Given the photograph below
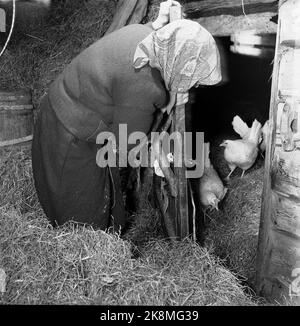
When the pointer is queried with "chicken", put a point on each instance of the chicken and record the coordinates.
(211, 188)
(265, 136)
(243, 130)
(242, 153)
(240, 127)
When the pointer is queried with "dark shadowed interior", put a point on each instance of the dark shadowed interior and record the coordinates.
(246, 93)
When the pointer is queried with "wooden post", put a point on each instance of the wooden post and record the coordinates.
(178, 125)
(278, 257)
(181, 203)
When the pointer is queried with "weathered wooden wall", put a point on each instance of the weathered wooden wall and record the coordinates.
(278, 264)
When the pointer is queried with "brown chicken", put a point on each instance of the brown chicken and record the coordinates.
(211, 188)
(242, 153)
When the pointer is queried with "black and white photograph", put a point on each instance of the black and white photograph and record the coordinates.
(149, 156)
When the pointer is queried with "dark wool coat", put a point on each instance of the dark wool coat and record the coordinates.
(98, 90)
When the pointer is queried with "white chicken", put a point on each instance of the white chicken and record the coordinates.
(265, 136)
(242, 153)
(211, 188)
(243, 130)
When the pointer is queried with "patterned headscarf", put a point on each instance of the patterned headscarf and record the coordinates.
(184, 52)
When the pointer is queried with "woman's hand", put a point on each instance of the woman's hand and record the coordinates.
(164, 14)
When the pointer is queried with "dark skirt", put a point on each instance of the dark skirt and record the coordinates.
(69, 184)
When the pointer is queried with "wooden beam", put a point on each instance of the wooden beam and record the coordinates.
(128, 12)
(226, 25)
(224, 17)
(206, 8)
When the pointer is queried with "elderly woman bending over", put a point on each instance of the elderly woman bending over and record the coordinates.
(123, 78)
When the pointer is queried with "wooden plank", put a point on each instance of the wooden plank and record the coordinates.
(278, 255)
(223, 18)
(206, 8)
(226, 25)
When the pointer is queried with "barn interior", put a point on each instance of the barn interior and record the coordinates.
(33, 59)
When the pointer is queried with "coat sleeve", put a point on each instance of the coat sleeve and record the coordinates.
(131, 122)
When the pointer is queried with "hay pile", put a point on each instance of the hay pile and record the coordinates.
(233, 231)
(77, 265)
(34, 60)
